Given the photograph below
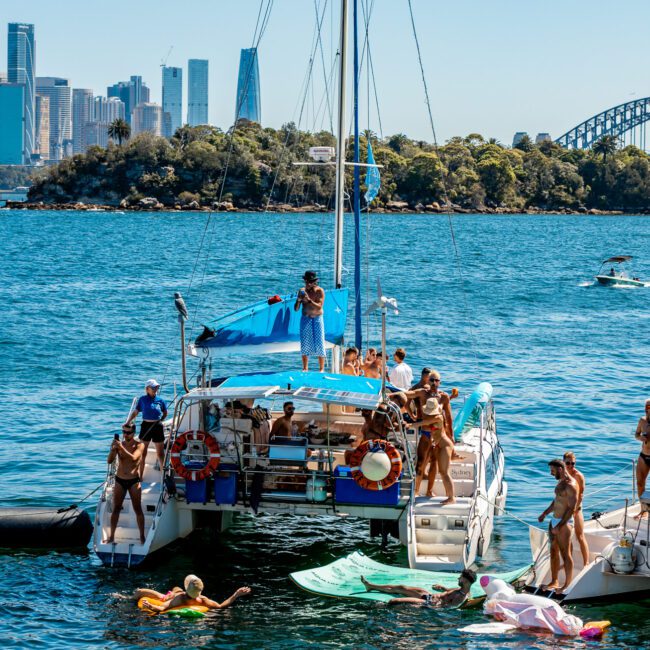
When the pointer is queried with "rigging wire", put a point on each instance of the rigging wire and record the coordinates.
(459, 267)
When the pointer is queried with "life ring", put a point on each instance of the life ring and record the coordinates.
(372, 447)
(214, 455)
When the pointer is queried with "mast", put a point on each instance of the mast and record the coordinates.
(340, 151)
(340, 169)
(357, 191)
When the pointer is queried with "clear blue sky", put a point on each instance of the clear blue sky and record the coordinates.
(492, 67)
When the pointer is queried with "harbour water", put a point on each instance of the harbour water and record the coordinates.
(88, 316)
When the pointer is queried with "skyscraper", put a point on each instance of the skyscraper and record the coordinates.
(12, 124)
(132, 93)
(197, 92)
(42, 128)
(172, 97)
(59, 93)
(21, 70)
(82, 113)
(147, 117)
(108, 109)
(248, 87)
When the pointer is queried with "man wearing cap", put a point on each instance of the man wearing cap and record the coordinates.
(312, 328)
(154, 412)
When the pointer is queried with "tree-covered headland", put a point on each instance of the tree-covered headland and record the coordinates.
(466, 173)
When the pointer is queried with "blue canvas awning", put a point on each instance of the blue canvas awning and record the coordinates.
(263, 327)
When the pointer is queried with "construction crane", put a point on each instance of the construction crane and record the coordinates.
(163, 62)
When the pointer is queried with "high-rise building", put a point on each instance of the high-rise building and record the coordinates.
(12, 124)
(147, 117)
(21, 70)
(172, 97)
(42, 128)
(248, 87)
(518, 137)
(59, 93)
(82, 113)
(542, 137)
(3, 77)
(108, 109)
(197, 92)
(132, 93)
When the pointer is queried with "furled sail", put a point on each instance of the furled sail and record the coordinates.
(272, 326)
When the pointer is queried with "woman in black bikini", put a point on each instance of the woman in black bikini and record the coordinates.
(643, 465)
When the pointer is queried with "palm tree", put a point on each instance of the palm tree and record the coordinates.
(607, 145)
(119, 130)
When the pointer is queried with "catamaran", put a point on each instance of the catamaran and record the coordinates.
(220, 461)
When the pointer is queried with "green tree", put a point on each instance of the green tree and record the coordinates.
(525, 144)
(606, 146)
(119, 130)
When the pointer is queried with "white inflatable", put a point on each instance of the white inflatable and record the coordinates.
(526, 610)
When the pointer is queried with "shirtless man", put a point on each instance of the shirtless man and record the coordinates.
(282, 426)
(127, 478)
(312, 329)
(350, 366)
(559, 529)
(418, 596)
(642, 434)
(186, 598)
(435, 448)
(370, 367)
(570, 462)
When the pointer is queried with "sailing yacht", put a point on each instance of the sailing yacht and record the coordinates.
(221, 463)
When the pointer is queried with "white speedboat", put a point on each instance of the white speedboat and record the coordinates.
(618, 277)
(619, 564)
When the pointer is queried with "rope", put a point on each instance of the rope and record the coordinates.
(446, 194)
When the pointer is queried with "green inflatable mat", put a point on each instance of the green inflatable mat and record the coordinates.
(340, 579)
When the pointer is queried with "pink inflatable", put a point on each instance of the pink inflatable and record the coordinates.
(526, 610)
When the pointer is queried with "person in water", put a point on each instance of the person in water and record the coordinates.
(188, 597)
(578, 518)
(559, 529)
(154, 413)
(312, 328)
(127, 478)
(642, 434)
(418, 596)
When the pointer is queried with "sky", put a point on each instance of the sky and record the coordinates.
(493, 67)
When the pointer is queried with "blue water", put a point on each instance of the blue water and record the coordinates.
(87, 316)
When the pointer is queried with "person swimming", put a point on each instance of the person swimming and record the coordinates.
(190, 596)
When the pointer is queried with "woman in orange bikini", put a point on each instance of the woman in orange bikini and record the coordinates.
(440, 452)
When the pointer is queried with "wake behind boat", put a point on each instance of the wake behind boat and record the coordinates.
(618, 277)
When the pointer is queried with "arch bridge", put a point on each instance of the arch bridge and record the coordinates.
(628, 119)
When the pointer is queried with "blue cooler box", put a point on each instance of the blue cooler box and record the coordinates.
(225, 485)
(347, 491)
(196, 491)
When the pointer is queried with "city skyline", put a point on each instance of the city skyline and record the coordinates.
(484, 64)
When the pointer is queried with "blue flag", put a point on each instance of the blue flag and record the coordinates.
(373, 179)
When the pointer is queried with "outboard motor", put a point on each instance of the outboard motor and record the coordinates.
(621, 558)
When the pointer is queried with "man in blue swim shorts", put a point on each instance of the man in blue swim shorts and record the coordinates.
(559, 531)
(312, 328)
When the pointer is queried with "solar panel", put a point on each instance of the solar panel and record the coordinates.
(332, 396)
(227, 392)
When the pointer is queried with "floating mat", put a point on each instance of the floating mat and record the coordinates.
(488, 628)
(340, 579)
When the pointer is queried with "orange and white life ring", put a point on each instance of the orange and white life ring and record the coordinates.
(214, 456)
(375, 464)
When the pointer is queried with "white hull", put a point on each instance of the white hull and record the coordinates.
(597, 580)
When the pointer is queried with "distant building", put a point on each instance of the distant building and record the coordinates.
(542, 137)
(108, 109)
(197, 92)
(42, 128)
(3, 77)
(59, 93)
(12, 124)
(248, 87)
(82, 113)
(147, 117)
(172, 97)
(132, 93)
(21, 70)
(519, 136)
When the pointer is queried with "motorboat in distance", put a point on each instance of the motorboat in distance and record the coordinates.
(618, 277)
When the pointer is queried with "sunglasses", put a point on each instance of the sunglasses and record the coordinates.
(568, 462)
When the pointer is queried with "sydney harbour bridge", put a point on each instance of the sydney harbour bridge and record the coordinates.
(626, 122)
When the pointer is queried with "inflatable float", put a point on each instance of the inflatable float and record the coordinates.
(534, 612)
(45, 527)
(193, 611)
